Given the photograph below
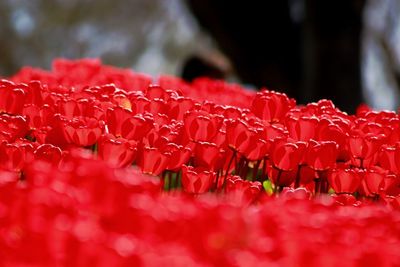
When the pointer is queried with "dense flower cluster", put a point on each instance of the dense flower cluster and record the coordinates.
(71, 194)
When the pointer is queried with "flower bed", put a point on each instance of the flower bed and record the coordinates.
(102, 166)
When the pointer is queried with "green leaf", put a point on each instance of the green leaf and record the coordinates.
(268, 187)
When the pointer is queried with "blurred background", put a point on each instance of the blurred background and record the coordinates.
(344, 50)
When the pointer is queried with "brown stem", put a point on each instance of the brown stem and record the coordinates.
(255, 170)
(229, 166)
(297, 182)
(277, 180)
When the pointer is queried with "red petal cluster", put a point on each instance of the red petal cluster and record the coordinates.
(71, 194)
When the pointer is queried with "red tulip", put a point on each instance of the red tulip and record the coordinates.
(273, 131)
(14, 156)
(140, 104)
(156, 138)
(12, 99)
(306, 175)
(321, 155)
(54, 134)
(136, 127)
(178, 106)
(115, 117)
(328, 130)
(12, 127)
(345, 180)
(373, 181)
(152, 161)
(157, 106)
(286, 156)
(389, 158)
(231, 112)
(206, 155)
(271, 106)
(83, 131)
(281, 178)
(122, 101)
(160, 119)
(298, 193)
(241, 191)
(69, 108)
(196, 181)
(49, 153)
(156, 92)
(179, 155)
(303, 128)
(239, 135)
(257, 149)
(34, 92)
(391, 185)
(200, 127)
(33, 115)
(363, 149)
(118, 152)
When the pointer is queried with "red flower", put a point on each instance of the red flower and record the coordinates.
(239, 135)
(55, 132)
(34, 92)
(157, 106)
(390, 158)
(178, 106)
(303, 128)
(306, 175)
(49, 153)
(156, 92)
(12, 98)
(140, 104)
(257, 149)
(373, 181)
(196, 181)
(321, 155)
(281, 178)
(122, 101)
(206, 155)
(12, 127)
(136, 127)
(15, 156)
(201, 127)
(83, 131)
(271, 106)
(345, 180)
(157, 138)
(33, 115)
(298, 193)
(286, 156)
(363, 149)
(115, 117)
(391, 185)
(152, 161)
(241, 191)
(332, 131)
(69, 108)
(118, 152)
(179, 156)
